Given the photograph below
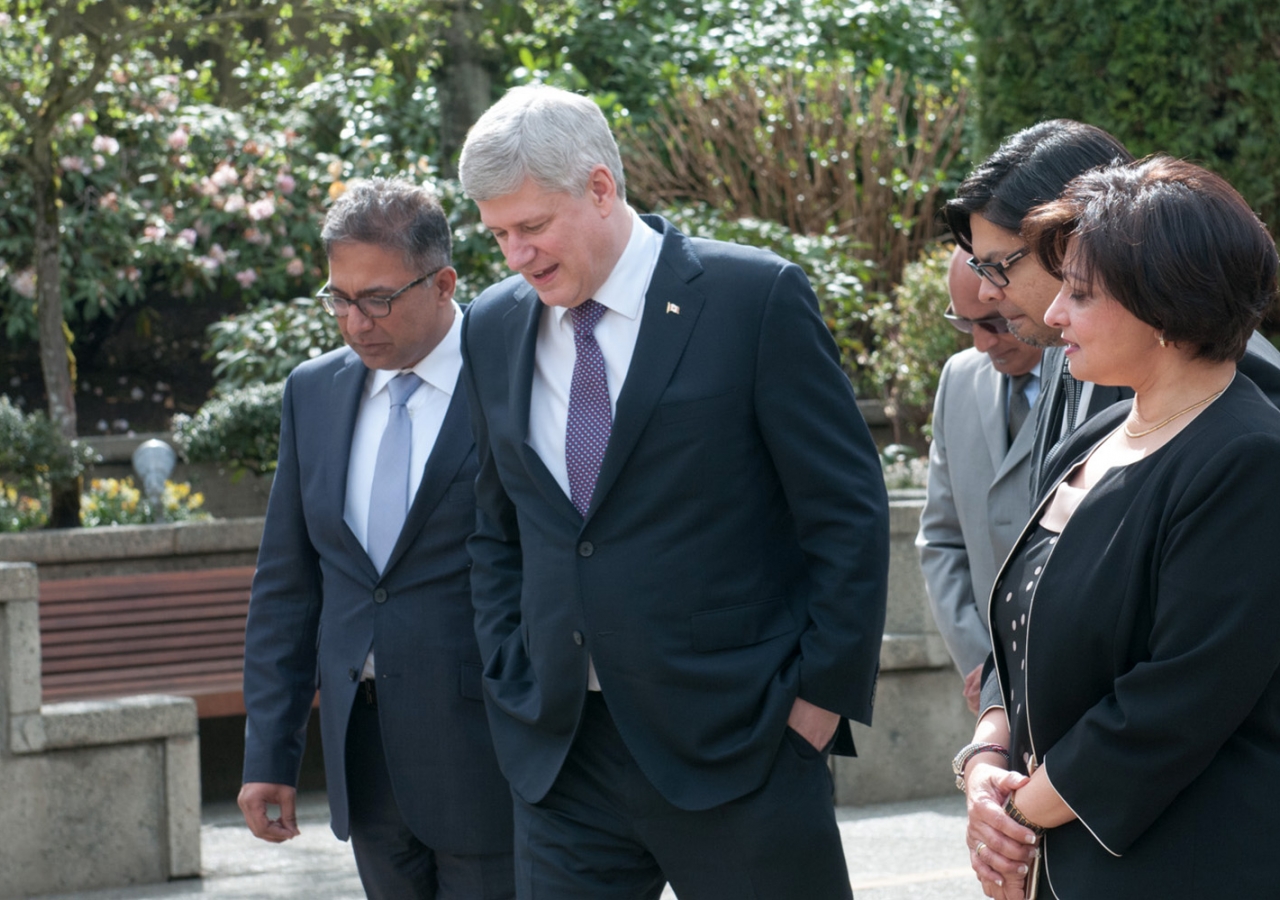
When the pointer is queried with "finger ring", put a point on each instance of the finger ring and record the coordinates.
(979, 847)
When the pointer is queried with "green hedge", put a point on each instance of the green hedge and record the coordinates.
(1199, 79)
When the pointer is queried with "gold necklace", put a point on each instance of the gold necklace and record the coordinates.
(1181, 412)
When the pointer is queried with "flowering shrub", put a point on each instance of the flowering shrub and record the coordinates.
(18, 510)
(111, 501)
(106, 501)
(163, 191)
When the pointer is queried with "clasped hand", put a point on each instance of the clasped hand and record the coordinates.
(1000, 850)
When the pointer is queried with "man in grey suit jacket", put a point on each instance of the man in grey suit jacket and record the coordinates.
(978, 472)
(363, 589)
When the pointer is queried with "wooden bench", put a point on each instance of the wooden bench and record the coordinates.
(152, 633)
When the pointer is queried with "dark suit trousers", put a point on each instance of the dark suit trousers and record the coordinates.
(393, 863)
(603, 832)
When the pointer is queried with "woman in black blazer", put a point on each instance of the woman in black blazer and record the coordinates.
(1130, 739)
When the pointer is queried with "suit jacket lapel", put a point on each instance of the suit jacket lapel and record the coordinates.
(1025, 438)
(452, 446)
(348, 387)
(661, 342)
(521, 322)
(990, 397)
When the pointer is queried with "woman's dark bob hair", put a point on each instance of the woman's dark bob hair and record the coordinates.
(1173, 243)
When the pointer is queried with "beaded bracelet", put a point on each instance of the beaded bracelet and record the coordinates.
(968, 752)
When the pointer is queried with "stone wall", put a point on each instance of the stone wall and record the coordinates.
(128, 549)
(920, 718)
(95, 794)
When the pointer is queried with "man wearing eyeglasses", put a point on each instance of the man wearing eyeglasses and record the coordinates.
(979, 482)
(1032, 167)
(363, 582)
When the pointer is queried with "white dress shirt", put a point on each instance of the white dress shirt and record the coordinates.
(622, 295)
(427, 407)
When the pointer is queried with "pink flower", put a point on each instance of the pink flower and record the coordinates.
(187, 237)
(76, 121)
(109, 200)
(295, 268)
(107, 145)
(235, 203)
(285, 183)
(24, 283)
(179, 138)
(217, 254)
(99, 161)
(246, 277)
(288, 252)
(153, 232)
(262, 209)
(73, 164)
(224, 175)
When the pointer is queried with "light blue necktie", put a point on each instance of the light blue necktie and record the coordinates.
(389, 498)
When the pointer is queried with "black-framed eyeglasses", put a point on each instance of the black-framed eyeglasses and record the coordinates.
(370, 307)
(990, 324)
(997, 272)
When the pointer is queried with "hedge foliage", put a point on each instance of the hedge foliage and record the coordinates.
(1198, 79)
(239, 428)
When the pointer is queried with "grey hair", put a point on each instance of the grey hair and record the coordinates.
(539, 132)
(393, 214)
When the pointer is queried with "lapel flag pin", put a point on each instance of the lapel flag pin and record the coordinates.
(672, 308)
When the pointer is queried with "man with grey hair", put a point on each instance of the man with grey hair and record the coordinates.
(681, 552)
(362, 587)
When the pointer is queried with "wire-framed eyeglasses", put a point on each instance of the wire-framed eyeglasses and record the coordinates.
(371, 307)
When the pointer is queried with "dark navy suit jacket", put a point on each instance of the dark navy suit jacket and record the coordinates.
(318, 604)
(735, 553)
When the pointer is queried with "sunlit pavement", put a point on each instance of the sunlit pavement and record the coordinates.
(897, 851)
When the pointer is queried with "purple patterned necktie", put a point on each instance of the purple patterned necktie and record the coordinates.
(590, 419)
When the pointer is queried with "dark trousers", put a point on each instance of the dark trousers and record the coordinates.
(393, 863)
(603, 832)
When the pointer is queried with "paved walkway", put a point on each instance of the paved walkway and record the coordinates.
(898, 851)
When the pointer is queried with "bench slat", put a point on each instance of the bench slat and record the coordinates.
(164, 632)
(146, 584)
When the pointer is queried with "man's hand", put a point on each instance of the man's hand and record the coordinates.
(254, 799)
(973, 689)
(815, 724)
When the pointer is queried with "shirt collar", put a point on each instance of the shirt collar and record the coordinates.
(623, 291)
(439, 368)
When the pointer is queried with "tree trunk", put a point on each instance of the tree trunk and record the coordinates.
(55, 353)
(464, 83)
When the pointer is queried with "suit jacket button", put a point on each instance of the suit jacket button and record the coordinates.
(586, 548)
(577, 638)
(380, 595)
(353, 674)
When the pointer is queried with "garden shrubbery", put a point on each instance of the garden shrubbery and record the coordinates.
(239, 428)
(1198, 79)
